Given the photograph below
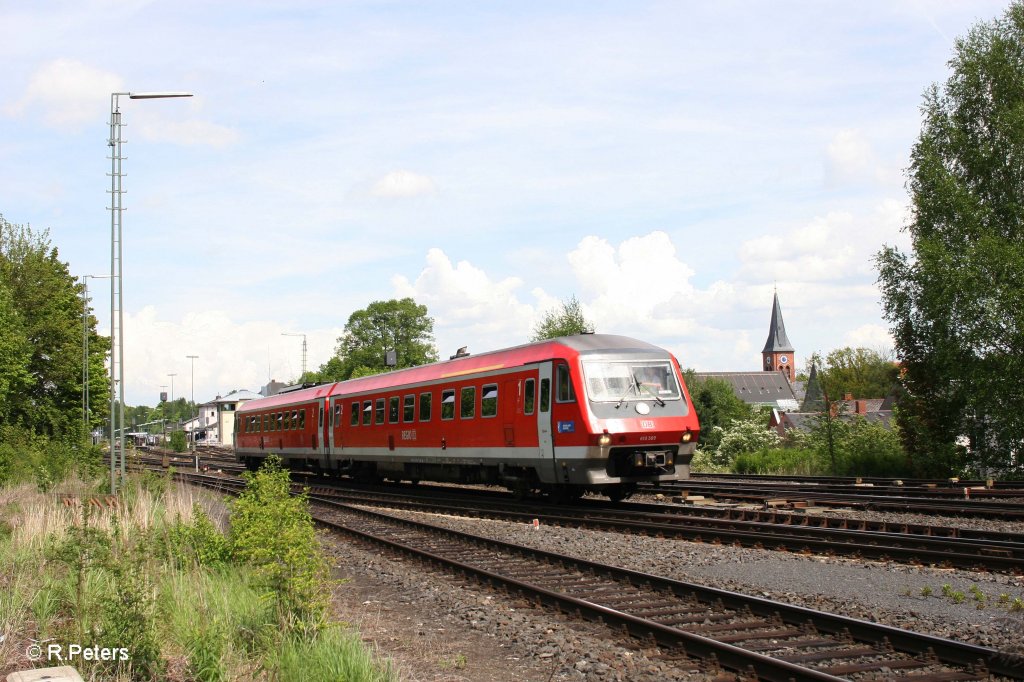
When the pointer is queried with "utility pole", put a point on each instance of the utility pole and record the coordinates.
(303, 351)
(193, 358)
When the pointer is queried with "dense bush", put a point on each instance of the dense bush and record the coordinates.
(26, 456)
(273, 531)
(796, 461)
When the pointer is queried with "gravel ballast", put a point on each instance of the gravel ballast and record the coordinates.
(924, 599)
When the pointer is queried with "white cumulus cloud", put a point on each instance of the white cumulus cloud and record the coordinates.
(67, 94)
(403, 184)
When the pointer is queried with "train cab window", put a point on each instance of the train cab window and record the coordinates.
(378, 411)
(530, 398)
(367, 412)
(425, 407)
(354, 418)
(489, 400)
(393, 409)
(302, 419)
(409, 408)
(565, 392)
(448, 403)
(545, 395)
(468, 402)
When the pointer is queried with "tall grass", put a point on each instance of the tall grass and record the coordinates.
(154, 574)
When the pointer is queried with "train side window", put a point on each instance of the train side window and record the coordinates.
(354, 419)
(392, 409)
(367, 412)
(287, 421)
(409, 408)
(378, 411)
(336, 420)
(489, 400)
(280, 421)
(302, 419)
(565, 392)
(425, 399)
(468, 403)
(448, 403)
(529, 400)
(545, 395)
(265, 426)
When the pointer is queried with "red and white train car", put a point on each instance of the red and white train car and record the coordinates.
(593, 412)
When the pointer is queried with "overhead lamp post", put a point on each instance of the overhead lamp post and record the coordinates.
(116, 283)
(303, 351)
(193, 358)
(85, 348)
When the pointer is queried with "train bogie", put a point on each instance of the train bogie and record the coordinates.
(566, 416)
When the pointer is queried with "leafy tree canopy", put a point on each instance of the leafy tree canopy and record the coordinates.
(861, 372)
(956, 303)
(41, 312)
(566, 320)
(717, 405)
(395, 325)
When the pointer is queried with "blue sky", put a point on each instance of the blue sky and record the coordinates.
(667, 163)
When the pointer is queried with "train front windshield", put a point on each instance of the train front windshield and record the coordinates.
(610, 381)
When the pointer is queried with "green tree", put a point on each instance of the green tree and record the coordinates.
(47, 300)
(15, 353)
(717, 405)
(956, 305)
(395, 325)
(566, 320)
(861, 372)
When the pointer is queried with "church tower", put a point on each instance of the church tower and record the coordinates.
(777, 355)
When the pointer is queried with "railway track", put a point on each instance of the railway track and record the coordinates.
(798, 533)
(966, 505)
(951, 484)
(941, 546)
(749, 635)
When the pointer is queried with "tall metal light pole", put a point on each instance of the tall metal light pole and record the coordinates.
(303, 351)
(193, 358)
(116, 284)
(85, 348)
(172, 375)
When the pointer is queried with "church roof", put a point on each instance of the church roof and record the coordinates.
(758, 388)
(777, 339)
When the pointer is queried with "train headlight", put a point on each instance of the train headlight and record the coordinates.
(604, 440)
(686, 437)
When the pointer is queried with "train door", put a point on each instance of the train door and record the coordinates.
(544, 439)
(512, 406)
(322, 429)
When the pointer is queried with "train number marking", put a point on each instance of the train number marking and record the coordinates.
(645, 439)
(409, 434)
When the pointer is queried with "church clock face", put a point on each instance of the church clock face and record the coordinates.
(783, 359)
(767, 363)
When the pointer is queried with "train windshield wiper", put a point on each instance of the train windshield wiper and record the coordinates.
(642, 387)
(632, 386)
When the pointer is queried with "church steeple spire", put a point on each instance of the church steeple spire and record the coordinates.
(778, 351)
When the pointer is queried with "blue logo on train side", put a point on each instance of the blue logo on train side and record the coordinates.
(567, 427)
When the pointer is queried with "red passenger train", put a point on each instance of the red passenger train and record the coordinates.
(592, 412)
